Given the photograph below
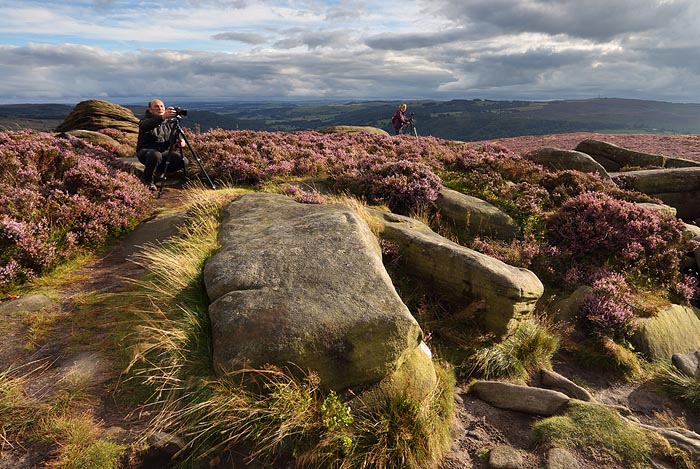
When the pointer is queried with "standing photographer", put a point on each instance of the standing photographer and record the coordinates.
(154, 142)
(398, 120)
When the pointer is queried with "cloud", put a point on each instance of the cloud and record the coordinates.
(63, 72)
(298, 37)
(247, 38)
(417, 40)
(539, 49)
(600, 20)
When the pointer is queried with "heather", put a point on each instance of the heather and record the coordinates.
(594, 231)
(58, 197)
(397, 172)
(677, 146)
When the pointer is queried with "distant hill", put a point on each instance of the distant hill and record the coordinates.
(467, 120)
(44, 117)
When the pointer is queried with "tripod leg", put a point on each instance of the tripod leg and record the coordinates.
(164, 175)
(197, 159)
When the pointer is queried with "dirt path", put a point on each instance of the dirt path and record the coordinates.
(75, 335)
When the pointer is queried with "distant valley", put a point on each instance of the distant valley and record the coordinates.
(467, 120)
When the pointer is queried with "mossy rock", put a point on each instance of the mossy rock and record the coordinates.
(416, 376)
(675, 329)
(95, 138)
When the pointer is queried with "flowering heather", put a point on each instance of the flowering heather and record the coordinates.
(401, 185)
(524, 190)
(396, 171)
(608, 309)
(596, 230)
(303, 196)
(244, 156)
(57, 196)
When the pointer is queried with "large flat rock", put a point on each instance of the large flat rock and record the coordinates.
(304, 286)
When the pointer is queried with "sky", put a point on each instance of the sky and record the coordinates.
(128, 51)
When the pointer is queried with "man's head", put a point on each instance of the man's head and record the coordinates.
(156, 107)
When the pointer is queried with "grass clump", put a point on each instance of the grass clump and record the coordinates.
(528, 349)
(17, 411)
(80, 446)
(594, 428)
(601, 352)
(679, 385)
(274, 414)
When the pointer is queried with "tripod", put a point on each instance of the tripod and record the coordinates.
(176, 133)
(411, 127)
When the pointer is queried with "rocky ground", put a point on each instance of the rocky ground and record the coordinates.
(479, 428)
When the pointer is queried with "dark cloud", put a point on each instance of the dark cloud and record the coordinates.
(247, 38)
(599, 20)
(406, 41)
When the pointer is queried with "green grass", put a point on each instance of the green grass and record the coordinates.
(276, 414)
(80, 445)
(606, 354)
(679, 385)
(601, 433)
(528, 349)
(17, 411)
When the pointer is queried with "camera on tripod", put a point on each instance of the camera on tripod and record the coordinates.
(179, 111)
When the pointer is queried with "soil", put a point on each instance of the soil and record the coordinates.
(478, 427)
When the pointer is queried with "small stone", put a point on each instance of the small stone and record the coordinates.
(505, 457)
(165, 443)
(560, 458)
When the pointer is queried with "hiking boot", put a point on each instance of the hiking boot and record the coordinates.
(152, 187)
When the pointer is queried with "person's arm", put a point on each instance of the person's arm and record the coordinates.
(149, 123)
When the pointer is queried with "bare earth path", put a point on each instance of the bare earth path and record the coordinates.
(75, 337)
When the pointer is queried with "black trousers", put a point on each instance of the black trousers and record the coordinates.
(154, 162)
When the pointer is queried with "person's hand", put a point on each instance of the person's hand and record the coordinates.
(182, 143)
(170, 112)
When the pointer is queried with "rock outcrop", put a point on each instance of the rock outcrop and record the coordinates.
(673, 330)
(688, 363)
(96, 138)
(95, 114)
(614, 158)
(475, 216)
(562, 160)
(304, 286)
(679, 188)
(462, 274)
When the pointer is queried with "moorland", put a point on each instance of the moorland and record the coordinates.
(120, 353)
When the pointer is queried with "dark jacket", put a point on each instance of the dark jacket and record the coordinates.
(154, 132)
(399, 119)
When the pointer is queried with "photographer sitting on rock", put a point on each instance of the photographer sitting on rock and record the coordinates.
(153, 145)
